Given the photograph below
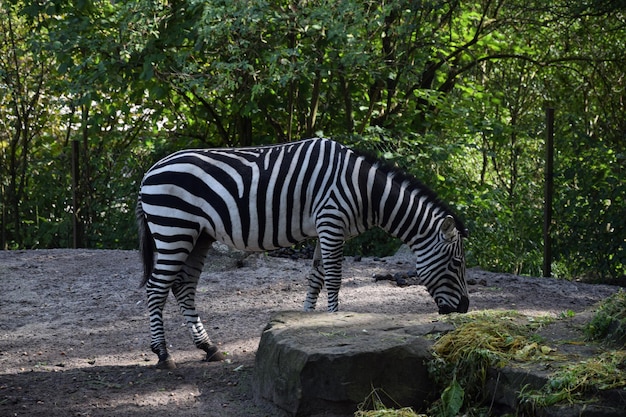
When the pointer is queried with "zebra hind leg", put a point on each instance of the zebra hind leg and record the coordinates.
(185, 292)
(167, 271)
(158, 287)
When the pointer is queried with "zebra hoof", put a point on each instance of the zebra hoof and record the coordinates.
(214, 355)
(166, 364)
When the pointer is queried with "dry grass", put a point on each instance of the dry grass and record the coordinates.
(492, 339)
(373, 406)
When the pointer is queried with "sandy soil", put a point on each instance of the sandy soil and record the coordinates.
(74, 337)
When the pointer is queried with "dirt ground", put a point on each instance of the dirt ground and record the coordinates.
(74, 337)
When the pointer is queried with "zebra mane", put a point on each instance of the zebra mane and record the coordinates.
(412, 183)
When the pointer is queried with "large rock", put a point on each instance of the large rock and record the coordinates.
(318, 362)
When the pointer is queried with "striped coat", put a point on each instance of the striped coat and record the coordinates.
(263, 198)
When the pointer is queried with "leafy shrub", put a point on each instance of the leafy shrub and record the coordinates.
(609, 322)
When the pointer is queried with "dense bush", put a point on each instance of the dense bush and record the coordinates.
(452, 92)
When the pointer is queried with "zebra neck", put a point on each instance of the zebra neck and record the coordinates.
(405, 211)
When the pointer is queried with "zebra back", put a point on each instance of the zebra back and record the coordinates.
(249, 198)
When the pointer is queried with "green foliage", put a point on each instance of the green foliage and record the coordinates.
(609, 322)
(374, 242)
(451, 400)
(569, 383)
(493, 339)
(453, 92)
(591, 208)
(462, 357)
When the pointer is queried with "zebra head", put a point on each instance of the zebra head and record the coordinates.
(441, 267)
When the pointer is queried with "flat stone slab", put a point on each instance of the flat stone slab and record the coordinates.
(309, 363)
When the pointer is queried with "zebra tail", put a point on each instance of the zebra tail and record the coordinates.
(146, 246)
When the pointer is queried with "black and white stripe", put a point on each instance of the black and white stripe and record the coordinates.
(263, 198)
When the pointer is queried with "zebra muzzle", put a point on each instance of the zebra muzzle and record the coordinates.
(462, 307)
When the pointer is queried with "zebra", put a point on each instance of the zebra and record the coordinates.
(264, 198)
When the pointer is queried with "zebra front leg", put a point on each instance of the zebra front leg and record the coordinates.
(315, 285)
(333, 284)
(315, 280)
(332, 254)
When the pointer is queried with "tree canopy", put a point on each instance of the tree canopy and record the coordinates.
(92, 92)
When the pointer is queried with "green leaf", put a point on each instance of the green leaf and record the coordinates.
(148, 71)
(452, 399)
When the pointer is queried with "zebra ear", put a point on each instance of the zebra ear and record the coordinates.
(448, 228)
